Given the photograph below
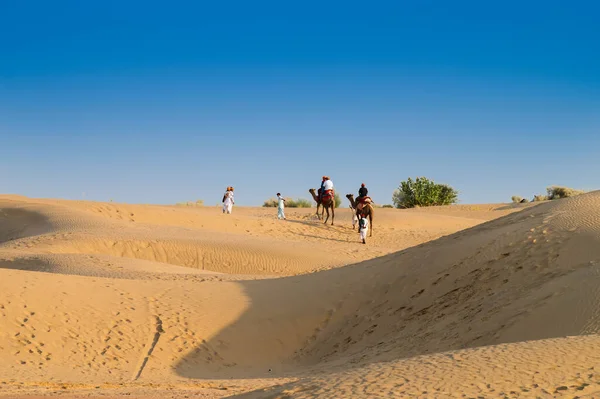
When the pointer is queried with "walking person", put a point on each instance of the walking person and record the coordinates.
(363, 225)
(280, 207)
(228, 201)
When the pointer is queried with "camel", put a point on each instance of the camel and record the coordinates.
(328, 204)
(368, 210)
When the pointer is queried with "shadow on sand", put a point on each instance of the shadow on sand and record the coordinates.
(285, 317)
(375, 310)
(435, 297)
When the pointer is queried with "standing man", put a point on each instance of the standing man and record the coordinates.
(280, 207)
(228, 201)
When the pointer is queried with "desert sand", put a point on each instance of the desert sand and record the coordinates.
(143, 301)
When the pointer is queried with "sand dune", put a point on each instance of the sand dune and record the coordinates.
(565, 367)
(442, 302)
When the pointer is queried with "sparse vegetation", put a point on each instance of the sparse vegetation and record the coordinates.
(338, 200)
(423, 192)
(289, 203)
(270, 203)
(558, 192)
(191, 203)
(387, 206)
(298, 203)
(517, 199)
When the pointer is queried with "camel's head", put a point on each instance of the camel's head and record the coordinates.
(312, 191)
(350, 196)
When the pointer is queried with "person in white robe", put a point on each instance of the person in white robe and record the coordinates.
(363, 222)
(228, 201)
(280, 207)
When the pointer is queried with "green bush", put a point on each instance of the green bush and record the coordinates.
(558, 192)
(387, 206)
(338, 200)
(423, 192)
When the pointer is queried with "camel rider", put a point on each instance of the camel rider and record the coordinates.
(326, 187)
(362, 191)
(362, 198)
(322, 187)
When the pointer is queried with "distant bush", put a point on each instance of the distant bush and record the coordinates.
(191, 203)
(338, 200)
(387, 206)
(558, 192)
(298, 203)
(270, 203)
(423, 192)
(519, 200)
(289, 203)
(539, 198)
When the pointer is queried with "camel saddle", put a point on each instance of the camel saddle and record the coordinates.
(327, 195)
(362, 202)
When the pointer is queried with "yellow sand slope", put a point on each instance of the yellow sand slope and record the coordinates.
(147, 294)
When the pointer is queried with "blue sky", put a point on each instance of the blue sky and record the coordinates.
(166, 102)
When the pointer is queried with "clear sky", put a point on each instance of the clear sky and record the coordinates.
(162, 102)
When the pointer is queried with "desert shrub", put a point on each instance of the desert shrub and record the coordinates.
(191, 203)
(387, 206)
(397, 198)
(289, 203)
(539, 197)
(270, 203)
(297, 203)
(516, 199)
(423, 192)
(558, 192)
(338, 200)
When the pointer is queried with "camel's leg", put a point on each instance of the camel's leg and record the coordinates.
(318, 216)
(332, 212)
(370, 224)
(327, 209)
(358, 216)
